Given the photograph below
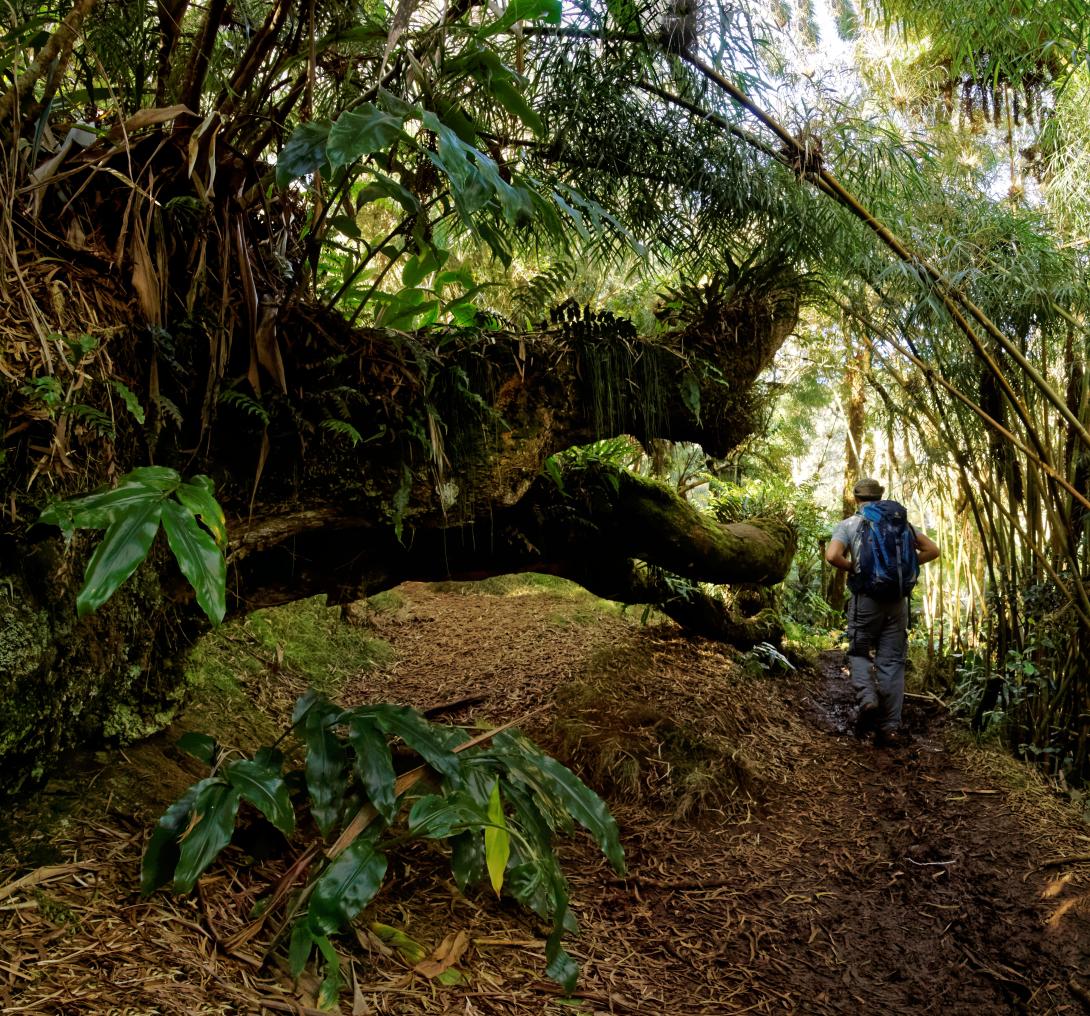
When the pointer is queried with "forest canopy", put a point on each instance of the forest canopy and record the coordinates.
(374, 271)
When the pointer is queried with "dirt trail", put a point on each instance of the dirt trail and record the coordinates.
(922, 880)
(909, 880)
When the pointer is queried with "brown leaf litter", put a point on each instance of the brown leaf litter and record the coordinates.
(824, 876)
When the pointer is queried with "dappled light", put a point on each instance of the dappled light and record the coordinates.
(529, 507)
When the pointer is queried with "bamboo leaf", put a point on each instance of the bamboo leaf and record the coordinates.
(548, 11)
(200, 560)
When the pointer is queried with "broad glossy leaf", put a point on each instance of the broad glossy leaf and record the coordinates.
(125, 545)
(559, 965)
(300, 948)
(97, 511)
(383, 186)
(265, 789)
(303, 153)
(161, 853)
(438, 816)
(346, 887)
(331, 983)
(198, 495)
(201, 561)
(533, 767)
(374, 764)
(467, 858)
(161, 478)
(200, 746)
(214, 809)
(513, 101)
(326, 769)
(303, 705)
(360, 132)
(497, 840)
(548, 11)
(420, 266)
(431, 741)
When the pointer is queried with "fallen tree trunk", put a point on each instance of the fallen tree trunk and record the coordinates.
(347, 459)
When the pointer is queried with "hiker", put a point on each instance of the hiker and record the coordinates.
(881, 552)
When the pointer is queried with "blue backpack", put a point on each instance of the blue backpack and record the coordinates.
(887, 564)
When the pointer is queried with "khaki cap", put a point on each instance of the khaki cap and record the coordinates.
(867, 487)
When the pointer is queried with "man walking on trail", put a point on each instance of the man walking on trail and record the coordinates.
(875, 546)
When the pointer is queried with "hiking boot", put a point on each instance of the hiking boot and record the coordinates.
(866, 718)
(891, 739)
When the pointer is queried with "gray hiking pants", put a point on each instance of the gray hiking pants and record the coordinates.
(881, 627)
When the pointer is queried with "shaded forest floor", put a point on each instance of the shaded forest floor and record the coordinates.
(776, 864)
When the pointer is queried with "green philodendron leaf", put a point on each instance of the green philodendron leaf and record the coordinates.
(303, 153)
(201, 561)
(437, 816)
(265, 789)
(200, 746)
(161, 854)
(531, 766)
(326, 768)
(161, 478)
(361, 131)
(374, 764)
(198, 495)
(560, 966)
(346, 887)
(433, 743)
(215, 808)
(467, 858)
(497, 840)
(548, 11)
(690, 395)
(125, 545)
(300, 947)
(383, 186)
(98, 511)
(515, 103)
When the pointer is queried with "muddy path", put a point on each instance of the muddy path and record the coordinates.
(836, 878)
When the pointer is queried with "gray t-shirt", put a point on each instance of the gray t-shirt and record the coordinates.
(847, 532)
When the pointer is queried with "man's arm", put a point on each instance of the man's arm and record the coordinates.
(834, 554)
(926, 548)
